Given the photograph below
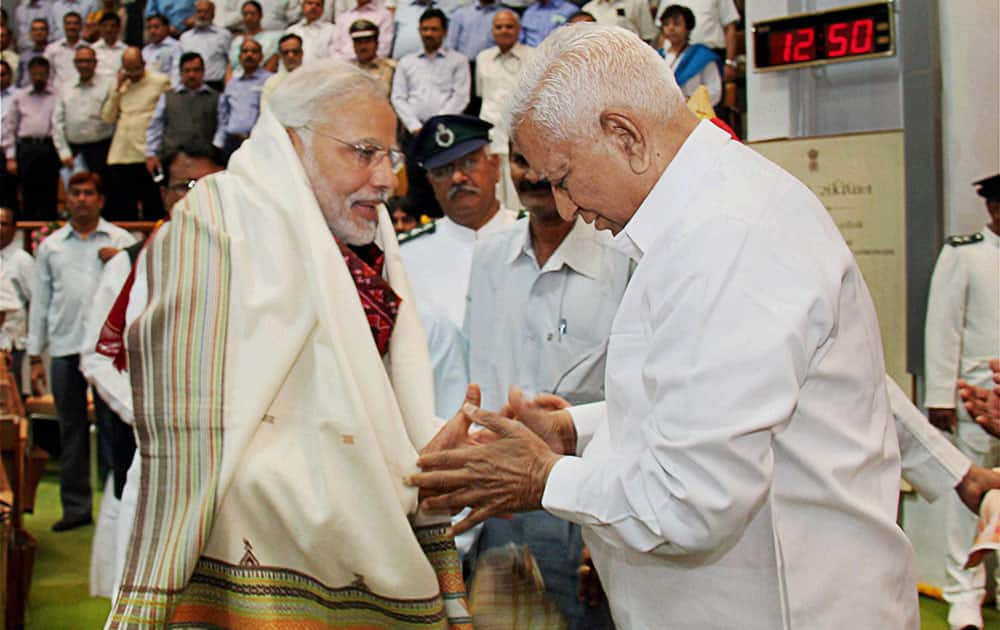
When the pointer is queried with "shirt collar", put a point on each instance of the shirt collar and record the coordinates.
(666, 204)
(515, 51)
(180, 88)
(437, 53)
(102, 228)
(576, 251)
(496, 223)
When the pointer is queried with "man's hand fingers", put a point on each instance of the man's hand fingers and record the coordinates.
(457, 500)
(498, 424)
(440, 480)
(446, 460)
(473, 395)
(474, 518)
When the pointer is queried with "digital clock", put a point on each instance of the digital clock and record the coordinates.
(847, 34)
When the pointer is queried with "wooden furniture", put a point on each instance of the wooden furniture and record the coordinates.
(21, 471)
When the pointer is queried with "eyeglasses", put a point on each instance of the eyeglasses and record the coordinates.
(467, 164)
(182, 187)
(369, 155)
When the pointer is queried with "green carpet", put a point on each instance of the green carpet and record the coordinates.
(60, 588)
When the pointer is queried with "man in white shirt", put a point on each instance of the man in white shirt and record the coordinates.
(77, 126)
(60, 53)
(746, 436)
(632, 15)
(962, 334)
(464, 177)
(496, 76)
(316, 32)
(19, 267)
(109, 48)
(542, 296)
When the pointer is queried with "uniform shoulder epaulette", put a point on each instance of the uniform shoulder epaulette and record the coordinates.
(416, 232)
(966, 239)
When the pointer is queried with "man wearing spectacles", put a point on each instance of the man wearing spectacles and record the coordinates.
(278, 296)
(463, 175)
(291, 55)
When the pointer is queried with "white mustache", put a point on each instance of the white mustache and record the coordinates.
(454, 190)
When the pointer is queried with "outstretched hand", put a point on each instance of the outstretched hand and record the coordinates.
(457, 431)
(504, 476)
(982, 403)
(546, 417)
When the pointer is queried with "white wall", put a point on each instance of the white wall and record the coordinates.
(970, 106)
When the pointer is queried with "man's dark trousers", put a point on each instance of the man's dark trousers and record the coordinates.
(69, 391)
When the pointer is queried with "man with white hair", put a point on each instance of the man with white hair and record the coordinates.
(259, 463)
(746, 436)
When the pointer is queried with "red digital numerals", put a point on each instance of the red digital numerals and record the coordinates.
(850, 38)
(843, 39)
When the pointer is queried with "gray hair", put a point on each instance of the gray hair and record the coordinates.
(583, 69)
(304, 97)
(513, 13)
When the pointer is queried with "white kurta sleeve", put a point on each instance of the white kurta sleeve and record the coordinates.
(587, 419)
(943, 331)
(931, 464)
(734, 315)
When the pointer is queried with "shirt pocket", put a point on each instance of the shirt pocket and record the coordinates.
(575, 369)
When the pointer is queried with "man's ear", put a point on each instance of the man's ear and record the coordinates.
(628, 137)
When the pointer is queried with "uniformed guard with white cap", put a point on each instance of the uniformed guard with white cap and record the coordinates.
(962, 335)
(453, 150)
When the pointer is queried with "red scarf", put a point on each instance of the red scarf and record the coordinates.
(380, 302)
(111, 342)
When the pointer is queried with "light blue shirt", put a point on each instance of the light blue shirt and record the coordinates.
(25, 14)
(61, 7)
(428, 85)
(407, 29)
(471, 29)
(163, 57)
(449, 360)
(239, 105)
(68, 270)
(212, 43)
(541, 19)
(176, 11)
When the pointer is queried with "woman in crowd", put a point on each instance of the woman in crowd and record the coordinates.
(693, 64)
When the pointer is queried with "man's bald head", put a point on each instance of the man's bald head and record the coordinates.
(133, 66)
(506, 29)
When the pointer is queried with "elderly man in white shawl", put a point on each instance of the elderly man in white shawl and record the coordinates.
(282, 388)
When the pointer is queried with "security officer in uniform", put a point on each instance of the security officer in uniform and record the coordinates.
(438, 256)
(962, 335)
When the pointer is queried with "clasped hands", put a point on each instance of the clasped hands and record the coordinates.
(499, 469)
